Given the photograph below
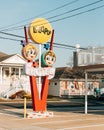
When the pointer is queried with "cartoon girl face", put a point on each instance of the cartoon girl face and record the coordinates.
(49, 58)
(29, 52)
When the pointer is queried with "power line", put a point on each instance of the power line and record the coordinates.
(87, 5)
(77, 14)
(11, 34)
(9, 38)
(71, 15)
(47, 12)
(57, 45)
(65, 45)
(59, 20)
(75, 9)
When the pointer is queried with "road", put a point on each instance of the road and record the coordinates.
(67, 115)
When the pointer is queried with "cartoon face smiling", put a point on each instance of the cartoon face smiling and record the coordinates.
(29, 52)
(48, 58)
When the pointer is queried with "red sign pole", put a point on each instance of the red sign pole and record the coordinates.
(52, 38)
(39, 104)
(26, 37)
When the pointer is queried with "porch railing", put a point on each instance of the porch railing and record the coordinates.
(11, 91)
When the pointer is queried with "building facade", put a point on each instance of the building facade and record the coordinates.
(70, 82)
(89, 56)
(12, 77)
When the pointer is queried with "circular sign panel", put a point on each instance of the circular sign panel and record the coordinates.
(48, 58)
(40, 31)
(29, 52)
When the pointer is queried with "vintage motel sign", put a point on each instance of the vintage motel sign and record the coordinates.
(40, 32)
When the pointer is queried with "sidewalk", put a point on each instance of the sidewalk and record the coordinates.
(13, 119)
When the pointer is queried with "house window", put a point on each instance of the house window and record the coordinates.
(5, 72)
(55, 83)
(22, 72)
(15, 71)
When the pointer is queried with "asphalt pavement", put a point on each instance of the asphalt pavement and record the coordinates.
(68, 114)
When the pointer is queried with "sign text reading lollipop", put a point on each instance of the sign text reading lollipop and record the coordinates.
(40, 31)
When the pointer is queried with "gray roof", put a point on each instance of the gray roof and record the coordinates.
(71, 73)
(67, 72)
(5, 57)
(2, 54)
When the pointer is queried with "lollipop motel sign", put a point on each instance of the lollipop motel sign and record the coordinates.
(40, 30)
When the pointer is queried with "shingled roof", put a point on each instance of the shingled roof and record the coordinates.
(67, 72)
(72, 73)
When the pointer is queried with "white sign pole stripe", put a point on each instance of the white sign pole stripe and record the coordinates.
(40, 86)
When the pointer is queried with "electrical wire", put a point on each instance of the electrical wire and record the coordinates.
(11, 34)
(66, 45)
(83, 12)
(47, 12)
(57, 45)
(9, 38)
(56, 21)
(75, 9)
(19, 27)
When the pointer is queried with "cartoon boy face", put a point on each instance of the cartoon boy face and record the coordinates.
(29, 52)
(49, 58)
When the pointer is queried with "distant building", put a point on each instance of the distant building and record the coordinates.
(92, 55)
(69, 81)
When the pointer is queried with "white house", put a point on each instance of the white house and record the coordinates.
(12, 78)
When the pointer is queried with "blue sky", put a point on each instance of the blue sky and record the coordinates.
(86, 29)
